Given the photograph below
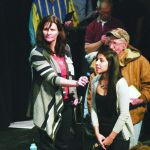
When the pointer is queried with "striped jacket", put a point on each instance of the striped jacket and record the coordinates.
(46, 94)
(42, 8)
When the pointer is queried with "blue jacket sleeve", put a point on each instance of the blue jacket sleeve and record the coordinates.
(33, 23)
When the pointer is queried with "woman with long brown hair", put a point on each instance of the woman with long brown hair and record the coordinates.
(54, 88)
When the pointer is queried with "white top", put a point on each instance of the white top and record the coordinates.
(124, 122)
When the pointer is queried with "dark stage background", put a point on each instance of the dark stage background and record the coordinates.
(15, 70)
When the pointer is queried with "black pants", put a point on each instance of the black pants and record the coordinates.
(62, 137)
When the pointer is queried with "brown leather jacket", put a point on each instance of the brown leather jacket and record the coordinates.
(136, 71)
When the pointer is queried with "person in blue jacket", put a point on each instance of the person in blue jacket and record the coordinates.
(59, 8)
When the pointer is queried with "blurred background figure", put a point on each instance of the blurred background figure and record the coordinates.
(104, 23)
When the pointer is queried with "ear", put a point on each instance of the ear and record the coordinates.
(125, 45)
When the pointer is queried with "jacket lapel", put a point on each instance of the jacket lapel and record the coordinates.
(95, 84)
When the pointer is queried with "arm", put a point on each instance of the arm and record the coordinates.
(123, 109)
(122, 90)
(33, 23)
(99, 137)
(92, 47)
(41, 65)
(73, 83)
(108, 140)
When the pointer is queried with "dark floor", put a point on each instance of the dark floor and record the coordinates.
(21, 139)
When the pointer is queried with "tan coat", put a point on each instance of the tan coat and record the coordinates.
(136, 71)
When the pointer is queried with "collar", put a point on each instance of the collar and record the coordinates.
(128, 56)
(123, 58)
(99, 19)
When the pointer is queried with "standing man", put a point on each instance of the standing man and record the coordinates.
(135, 68)
(104, 23)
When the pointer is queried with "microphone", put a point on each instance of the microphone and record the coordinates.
(91, 70)
(82, 90)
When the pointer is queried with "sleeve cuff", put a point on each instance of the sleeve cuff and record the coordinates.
(143, 97)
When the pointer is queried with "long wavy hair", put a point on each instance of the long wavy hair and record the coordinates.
(61, 38)
(114, 75)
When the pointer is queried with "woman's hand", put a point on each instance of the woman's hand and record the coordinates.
(82, 81)
(108, 141)
(100, 139)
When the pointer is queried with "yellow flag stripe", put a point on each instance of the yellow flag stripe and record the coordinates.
(47, 7)
(40, 8)
(59, 10)
(66, 6)
(75, 17)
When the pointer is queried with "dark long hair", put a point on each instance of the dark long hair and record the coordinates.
(113, 76)
(61, 38)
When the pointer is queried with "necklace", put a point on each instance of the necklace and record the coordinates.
(59, 60)
(103, 86)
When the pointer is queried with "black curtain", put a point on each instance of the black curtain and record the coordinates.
(15, 70)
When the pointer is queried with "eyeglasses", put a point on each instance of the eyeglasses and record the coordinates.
(104, 13)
